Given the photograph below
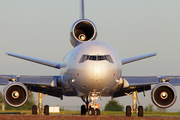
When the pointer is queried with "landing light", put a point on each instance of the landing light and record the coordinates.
(92, 98)
(73, 80)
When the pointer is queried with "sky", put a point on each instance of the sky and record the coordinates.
(41, 28)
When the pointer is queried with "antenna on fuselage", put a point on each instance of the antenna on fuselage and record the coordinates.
(82, 16)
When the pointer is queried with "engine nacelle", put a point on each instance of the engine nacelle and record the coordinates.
(81, 31)
(15, 94)
(163, 95)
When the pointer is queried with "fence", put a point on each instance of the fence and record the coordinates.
(78, 108)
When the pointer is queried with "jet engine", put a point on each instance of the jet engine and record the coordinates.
(15, 94)
(163, 95)
(81, 31)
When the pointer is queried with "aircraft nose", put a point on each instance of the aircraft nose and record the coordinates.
(96, 71)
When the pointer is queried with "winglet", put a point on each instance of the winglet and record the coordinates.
(37, 60)
(136, 58)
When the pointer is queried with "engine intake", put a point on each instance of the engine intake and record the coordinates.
(163, 95)
(82, 31)
(15, 94)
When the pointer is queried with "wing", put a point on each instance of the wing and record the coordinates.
(34, 83)
(39, 61)
(149, 80)
(136, 58)
(143, 83)
(29, 80)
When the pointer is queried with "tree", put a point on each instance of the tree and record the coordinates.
(146, 109)
(149, 108)
(26, 106)
(161, 109)
(113, 105)
(1, 98)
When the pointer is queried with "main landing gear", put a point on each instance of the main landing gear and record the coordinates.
(40, 109)
(134, 109)
(92, 109)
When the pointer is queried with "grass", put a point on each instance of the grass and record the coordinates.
(104, 113)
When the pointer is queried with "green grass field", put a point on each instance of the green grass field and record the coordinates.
(104, 113)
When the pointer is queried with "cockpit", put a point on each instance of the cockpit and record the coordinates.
(96, 58)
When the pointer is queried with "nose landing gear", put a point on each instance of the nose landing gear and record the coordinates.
(92, 109)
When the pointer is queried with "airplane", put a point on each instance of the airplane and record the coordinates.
(91, 70)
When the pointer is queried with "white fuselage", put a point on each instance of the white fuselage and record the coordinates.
(92, 75)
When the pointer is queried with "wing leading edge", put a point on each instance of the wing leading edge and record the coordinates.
(39, 61)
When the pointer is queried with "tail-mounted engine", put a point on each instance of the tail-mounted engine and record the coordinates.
(163, 95)
(15, 94)
(81, 31)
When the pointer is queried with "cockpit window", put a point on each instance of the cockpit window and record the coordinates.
(92, 58)
(84, 58)
(96, 58)
(108, 58)
(101, 58)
